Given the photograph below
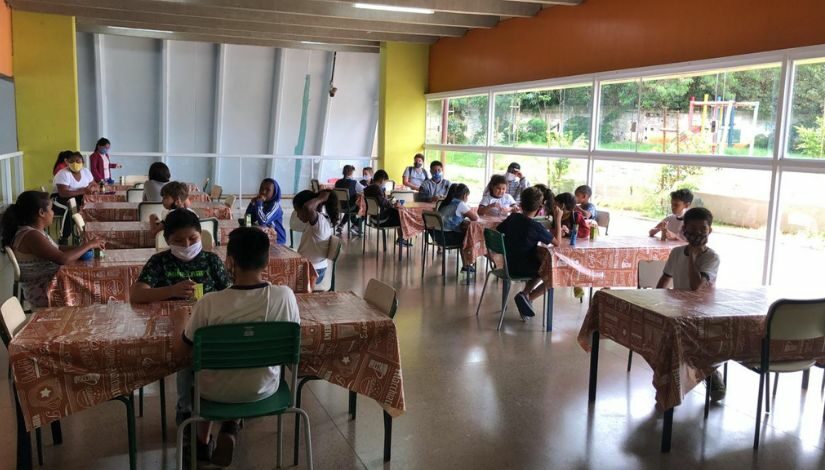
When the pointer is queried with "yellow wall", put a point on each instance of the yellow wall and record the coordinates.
(45, 79)
(5, 40)
(402, 107)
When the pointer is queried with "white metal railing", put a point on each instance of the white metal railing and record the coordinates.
(11, 176)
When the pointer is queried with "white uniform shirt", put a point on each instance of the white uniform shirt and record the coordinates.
(504, 201)
(677, 267)
(66, 177)
(315, 242)
(674, 223)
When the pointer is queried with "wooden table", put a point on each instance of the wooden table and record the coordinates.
(69, 359)
(123, 235)
(128, 211)
(685, 335)
(108, 279)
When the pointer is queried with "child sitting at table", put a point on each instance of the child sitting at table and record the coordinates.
(583, 205)
(680, 201)
(158, 178)
(496, 200)
(24, 227)
(694, 267)
(549, 201)
(388, 213)
(172, 274)
(436, 187)
(354, 188)
(266, 211)
(366, 176)
(522, 235)
(315, 239)
(250, 299)
(175, 195)
(454, 210)
(570, 217)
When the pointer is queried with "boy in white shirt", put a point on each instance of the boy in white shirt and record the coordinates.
(249, 299)
(315, 239)
(680, 201)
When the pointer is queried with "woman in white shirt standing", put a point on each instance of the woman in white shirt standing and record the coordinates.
(315, 239)
(72, 182)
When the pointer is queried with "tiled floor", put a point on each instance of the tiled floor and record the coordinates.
(481, 399)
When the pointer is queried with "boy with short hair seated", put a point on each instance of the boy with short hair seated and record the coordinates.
(583, 205)
(694, 267)
(680, 201)
(436, 187)
(175, 195)
(250, 299)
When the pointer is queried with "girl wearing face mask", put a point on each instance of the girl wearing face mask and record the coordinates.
(72, 182)
(99, 161)
(173, 274)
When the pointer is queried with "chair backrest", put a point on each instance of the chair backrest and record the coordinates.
(207, 241)
(79, 223)
(138, 186)
(603, 219)
(73, 205)
(14, 264)
(145, 209)
(134, 195)
(333, 253)
(246, 345)
(433, 220)
(216, 192)
(495, 246)
(343, 197)
(13, 318)
(160, 242)
(649, 273)
(389, 185)
(382, 296)
(210, 225)
(230, 201)
(205, 184)
(314, 185)
(406, 196)
(373, 209)
(134, 179)
(796, 320)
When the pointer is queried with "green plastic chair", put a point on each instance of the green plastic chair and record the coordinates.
(247, 346)
(495, 246)
(434, 228)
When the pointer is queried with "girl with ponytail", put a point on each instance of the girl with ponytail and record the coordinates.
(315, 239)
(24, 231)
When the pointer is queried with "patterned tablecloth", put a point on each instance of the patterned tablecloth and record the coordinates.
(474, 245)
(108, 279)
(128, 211)
(120, 196)
(193, 188)
(122, 235)
(412, 220)
(604, 262)
(69, 359)
(684, 335)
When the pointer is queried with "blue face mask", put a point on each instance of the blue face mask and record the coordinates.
(436, 176)
(103, 151)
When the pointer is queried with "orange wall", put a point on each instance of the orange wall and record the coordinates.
(603, 35)
(5, 39)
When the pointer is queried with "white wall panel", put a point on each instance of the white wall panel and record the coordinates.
(86, 90)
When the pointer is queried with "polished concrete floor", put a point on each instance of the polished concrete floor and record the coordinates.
(481, 399)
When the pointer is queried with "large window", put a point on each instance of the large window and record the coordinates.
(549, 118)
(457, 121)
(461, 167)
(800, 247)
(559, 174)
(806, 135)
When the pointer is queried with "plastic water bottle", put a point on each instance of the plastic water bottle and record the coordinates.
(248, 220)
(574, 233)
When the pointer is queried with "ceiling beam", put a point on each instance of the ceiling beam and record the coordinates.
(231, 18)
(467, 7)
(282, 32)
(551, 2)
(227, 39)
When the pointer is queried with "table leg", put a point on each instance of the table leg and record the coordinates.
(387, 436)
(594, 365)
(806, 375)
(57, 433)
(24, 439)
(548, 310)
(667, 430)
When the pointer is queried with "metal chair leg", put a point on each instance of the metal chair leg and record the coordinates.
(707, 395)
(629, 359)
(767, 392)
(163, 432)
(57, 433)
(505, 296)
(484, 289)
(308, 438)
(279, 452)
(387, 436)
(140, 402)
(759, 410)
(775, 383)
(130, 426)
(353, 404)
(38, 439)
(297, 435)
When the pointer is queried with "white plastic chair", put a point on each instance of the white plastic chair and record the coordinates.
(73, 205)
(210, 225)
(230, 201)
(207, 242)
(603, 220)
(133, 179)
(160, 242)
(16, 290)
(333, 252)
(134, 195)
(295, 225)
(383, 296)
(145, 209)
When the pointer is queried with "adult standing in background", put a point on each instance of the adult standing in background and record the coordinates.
(516, 181)
(99, 162)
(416, 174)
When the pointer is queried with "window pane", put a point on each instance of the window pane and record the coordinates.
(550, 118)
(435, 114)
(461, 167)
(560, 174)
(618, 116)
(467, 120)
(806, 133)
(637, 196)
(800, 247)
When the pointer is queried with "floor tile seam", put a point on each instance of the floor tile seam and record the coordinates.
(338, 428)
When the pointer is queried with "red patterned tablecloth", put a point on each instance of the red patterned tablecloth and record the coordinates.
(684, 335)
(108, 279)
(128, 211)
(193, 188)
(120, 196)
(411, 216)
(69, 359)
(474, 245)
(123, 235)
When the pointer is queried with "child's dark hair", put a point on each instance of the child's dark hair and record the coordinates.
(267, 181)
(549, 198)
(685, 195)
(249, 248)
(23, 212)
(61, 158)
(158, 171)
(331, 205)
(75, 153)
(698, 213)
(380, 175)
(348, 170)
(366, 168)
(180, 219)
(456, 191)
(584, 189)
(102, 142)
(496, 180)
(418, 155)
(567, 202)
(175, 190)
(531, 199)
(434, 164)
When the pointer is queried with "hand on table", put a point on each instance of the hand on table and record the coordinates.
(96, 242)
(154, 219)
(184, 289)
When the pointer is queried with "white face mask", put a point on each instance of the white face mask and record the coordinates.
(186, 253)
(511, 177)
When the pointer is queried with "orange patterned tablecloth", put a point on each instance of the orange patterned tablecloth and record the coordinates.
(108, 279)
(474, 245)
(120, 196)
(193, 188)
(128, 211)
(69, 359)
(604, 262)
(684, 335)
(412, 220)
(123, 235)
